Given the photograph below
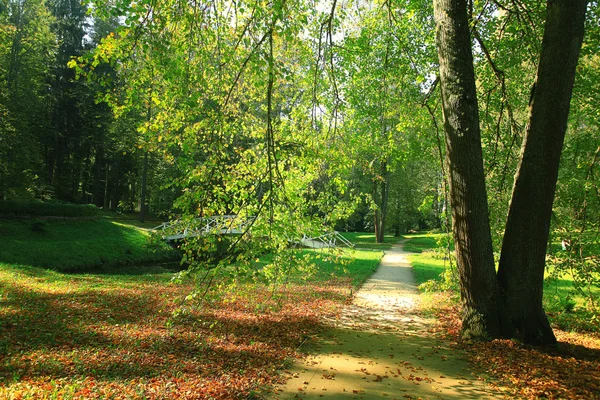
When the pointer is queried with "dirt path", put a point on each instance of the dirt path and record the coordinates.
(381, 349)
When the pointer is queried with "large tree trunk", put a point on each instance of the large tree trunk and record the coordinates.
(521, 270)
(479, 290)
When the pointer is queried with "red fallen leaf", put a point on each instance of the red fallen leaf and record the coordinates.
(568, 371)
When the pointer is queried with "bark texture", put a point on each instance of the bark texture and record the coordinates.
(482, 313)
(522, 261)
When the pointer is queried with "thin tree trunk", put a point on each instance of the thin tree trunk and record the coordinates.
(144, 187)
(106, 202)
(384, 201)
(482, 313)
(376, 213)
(522, 261)
(145, 167)
(380, 195)
(398, 228)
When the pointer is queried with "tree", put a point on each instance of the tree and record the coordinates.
(471, 227)
(523, 256)
(508, 304)
(26, 49)
(382, 75)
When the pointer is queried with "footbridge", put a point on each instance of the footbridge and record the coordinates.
(236, 225)
(216, 224)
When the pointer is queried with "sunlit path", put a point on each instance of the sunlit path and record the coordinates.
(380, 348)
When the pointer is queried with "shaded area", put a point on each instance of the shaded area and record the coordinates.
(569, 371)
(72, 246)
(102, 336)
(382, 347)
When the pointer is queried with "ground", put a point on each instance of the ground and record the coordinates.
(123, 334)
(382, 347)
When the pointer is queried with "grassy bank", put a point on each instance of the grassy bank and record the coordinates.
(83, 245)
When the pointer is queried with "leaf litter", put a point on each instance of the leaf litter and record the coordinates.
(92, 337)
(571, 370)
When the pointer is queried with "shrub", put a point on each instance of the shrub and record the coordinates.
(47, 209)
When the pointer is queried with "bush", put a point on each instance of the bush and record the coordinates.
(38, 226)
(9, 208)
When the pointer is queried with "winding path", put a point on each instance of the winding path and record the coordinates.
(380, 348)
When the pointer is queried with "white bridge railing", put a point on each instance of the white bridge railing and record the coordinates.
(216, 224)
(330, 239)
(236, 225)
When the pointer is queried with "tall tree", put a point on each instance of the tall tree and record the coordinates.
(522, 261)
(521, 269)
(27, 47)
(473, 242)
(67, 143)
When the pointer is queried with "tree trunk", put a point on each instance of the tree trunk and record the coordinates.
(106, 201)
(381, 212)
(398, 228)
(144, 187)
(521, 270)
(482, 313)
(376, 213)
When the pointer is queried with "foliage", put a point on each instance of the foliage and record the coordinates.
(26, 44)
(47, 209)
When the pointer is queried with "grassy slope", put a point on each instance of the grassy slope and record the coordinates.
(76, 245)
(358, 265)
(558, 294)
(365, 240)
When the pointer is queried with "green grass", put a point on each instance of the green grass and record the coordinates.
(357, 265)
(416, 243)
(566, 307)
(366, 240)
(321, 265)
(77, 245)
(427, 268)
